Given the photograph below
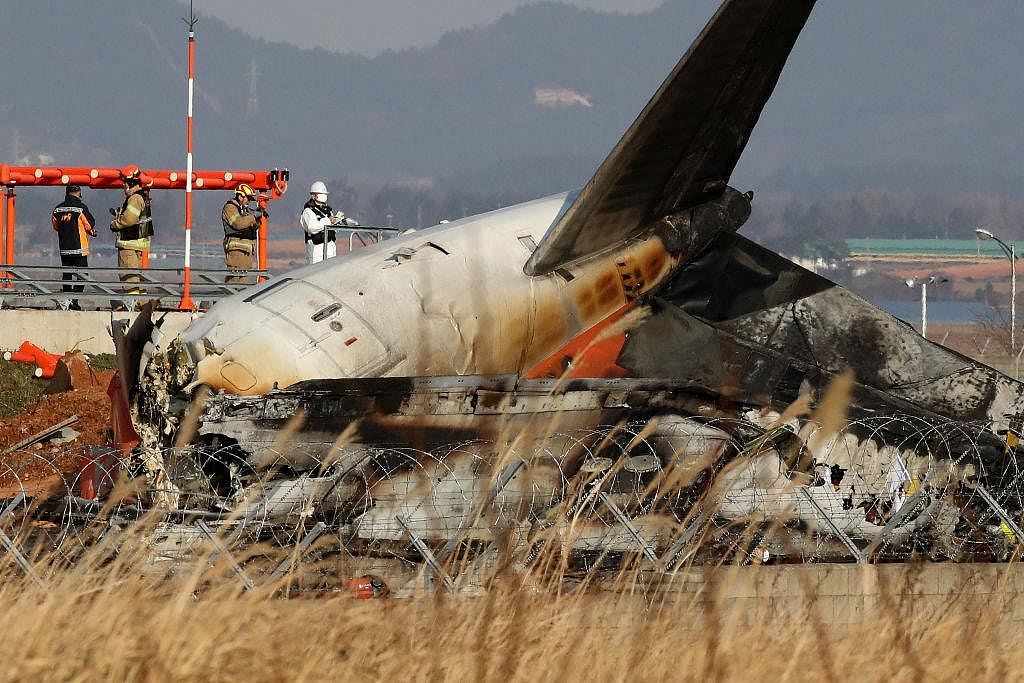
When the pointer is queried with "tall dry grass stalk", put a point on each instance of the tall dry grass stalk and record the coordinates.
(115, 615)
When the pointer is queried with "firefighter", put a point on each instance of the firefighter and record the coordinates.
(317, 221)
(132, 226)
(240, 225)
(74, 225)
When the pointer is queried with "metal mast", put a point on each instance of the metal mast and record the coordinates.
(191, 21)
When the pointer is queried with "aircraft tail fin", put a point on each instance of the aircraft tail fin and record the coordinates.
(684, 145)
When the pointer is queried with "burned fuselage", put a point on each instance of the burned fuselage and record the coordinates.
(612, 366)
(456, 460)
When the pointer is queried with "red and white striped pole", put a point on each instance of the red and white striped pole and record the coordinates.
(186, 296)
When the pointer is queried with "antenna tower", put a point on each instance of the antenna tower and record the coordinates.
(253, 107)
(191, 21)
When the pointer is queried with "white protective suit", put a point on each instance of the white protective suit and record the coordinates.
(312, 224)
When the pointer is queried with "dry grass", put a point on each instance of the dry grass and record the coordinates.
(112, 617)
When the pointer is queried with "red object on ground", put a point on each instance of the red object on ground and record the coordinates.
(125, 436)
(98, 471)
(30, 353)
(47, 362)
(367, 588)
(26, 353)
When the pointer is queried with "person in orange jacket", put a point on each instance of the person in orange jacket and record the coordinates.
(74, 224)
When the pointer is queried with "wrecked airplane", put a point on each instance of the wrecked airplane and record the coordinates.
(610, 367)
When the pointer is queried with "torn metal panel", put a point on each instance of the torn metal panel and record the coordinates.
(679, 441)
(742, 296)
(435, 410)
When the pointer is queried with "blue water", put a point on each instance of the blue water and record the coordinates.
(938, 311)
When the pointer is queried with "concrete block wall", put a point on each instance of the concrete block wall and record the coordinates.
(842, 594)
(62, 331)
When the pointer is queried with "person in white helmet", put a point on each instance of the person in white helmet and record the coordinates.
(316, 220)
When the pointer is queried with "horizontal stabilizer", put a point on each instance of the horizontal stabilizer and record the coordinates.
(682, 148)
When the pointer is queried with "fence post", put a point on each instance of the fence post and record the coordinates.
(261, 243)
(823, 515)
(621, 517)
(427, 556)
(3, 235)
(9, 205)
(220, 549)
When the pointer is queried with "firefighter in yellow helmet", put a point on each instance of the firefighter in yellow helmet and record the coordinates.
(132, 226)
(240, 225)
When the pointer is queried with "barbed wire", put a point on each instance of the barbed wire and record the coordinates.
(681, 491)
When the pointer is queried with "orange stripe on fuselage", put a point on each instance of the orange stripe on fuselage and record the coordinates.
(585, 356)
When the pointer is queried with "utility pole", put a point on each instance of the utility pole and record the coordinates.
(923, 284)
(924, 310)
(253, 106)
(191, 21)
(1010, 250)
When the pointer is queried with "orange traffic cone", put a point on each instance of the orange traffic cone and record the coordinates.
(26, 353)
(46, 363)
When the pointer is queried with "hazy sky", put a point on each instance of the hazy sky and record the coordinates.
(370, 26)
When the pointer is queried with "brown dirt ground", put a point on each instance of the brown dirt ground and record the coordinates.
(41, 463)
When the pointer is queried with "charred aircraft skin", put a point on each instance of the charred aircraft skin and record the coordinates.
(662, 429)
(536, 348)
(445, 301)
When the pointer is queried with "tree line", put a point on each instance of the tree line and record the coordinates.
(819, 227)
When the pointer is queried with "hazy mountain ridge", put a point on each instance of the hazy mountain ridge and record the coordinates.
(928, 86)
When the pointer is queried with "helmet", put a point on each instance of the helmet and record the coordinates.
(318, 188)
(246, 191)
(131, 172)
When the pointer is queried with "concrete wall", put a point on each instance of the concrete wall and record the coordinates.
(847, 593)
(61, 331)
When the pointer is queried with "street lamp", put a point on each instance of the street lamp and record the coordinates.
(923, 284)
(1011, 253)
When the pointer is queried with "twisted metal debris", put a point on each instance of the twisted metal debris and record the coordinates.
(654, 496)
